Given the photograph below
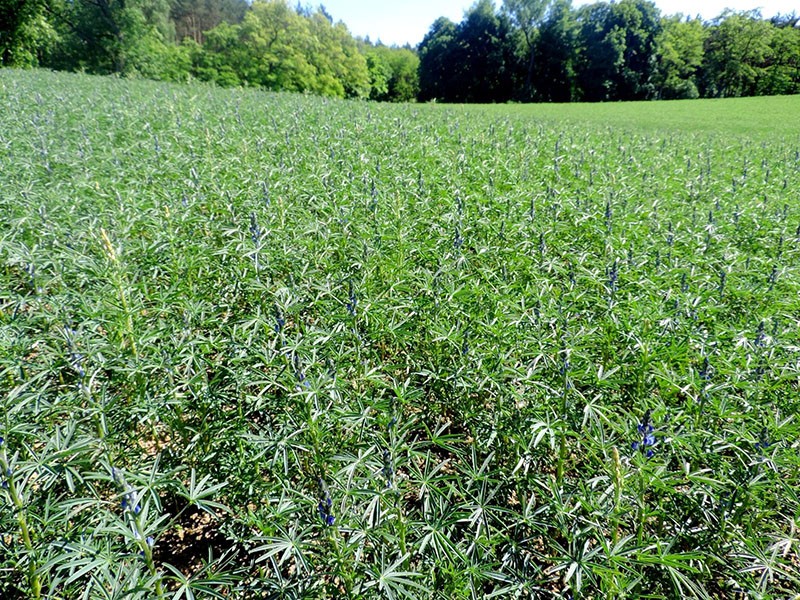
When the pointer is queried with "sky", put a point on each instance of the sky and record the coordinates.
(407, 21)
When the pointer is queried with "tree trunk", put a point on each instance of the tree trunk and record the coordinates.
(529, 76)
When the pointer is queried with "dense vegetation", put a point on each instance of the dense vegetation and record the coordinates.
(272, 345)
(524, 50)
(230, 42)
(545, 50)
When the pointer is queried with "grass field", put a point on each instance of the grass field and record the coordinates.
(275, 346)
(758, 119)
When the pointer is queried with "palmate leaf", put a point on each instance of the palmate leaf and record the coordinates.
(437, 533)
(291, 546)
(767, 564)
(72, 562)
(685, 585)
(200, 493)
(579, 561)
(395, 582)
(683, 568)
(285, 447)
(372, 512)
(87, 571)
(214, 579)
(431, 479)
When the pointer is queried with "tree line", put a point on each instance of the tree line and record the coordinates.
(523, 50)
(548, 51)
(266, 43)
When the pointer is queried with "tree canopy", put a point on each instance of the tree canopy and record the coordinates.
(546, 50)
(521, 50)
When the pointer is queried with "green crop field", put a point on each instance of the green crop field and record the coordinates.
(760, 119)
(259, 345)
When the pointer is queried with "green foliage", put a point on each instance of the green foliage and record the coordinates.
(737, 51)
(474, 61)
(25, 34)
(531, 50)
(784, 65)
(277, 48)
(404, 83)
(109, 36)
(528, 16)
(606, 51)
(747, 56)
(437, 53)
(393, 73)
(272, 48)
(220, 57)
(618, 52)
(485, 60)
(164, 62)
(193, 18)
(379, 74)
(680, 57)
(341, 69)
(273, 345)
(266, 44)
(556, 50)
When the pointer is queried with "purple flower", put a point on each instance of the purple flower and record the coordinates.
(763, 440)
(325, 505)
(352, 299)
(280, 321)
(130, 501)
(647, 436)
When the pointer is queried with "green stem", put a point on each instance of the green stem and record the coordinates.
(33, 576)
(345, 572)
(618, 483)
(562, 456)
(562, 447)
(147, 551)
(640, 527)
(402, 531)
(128, 316)
(112, 257)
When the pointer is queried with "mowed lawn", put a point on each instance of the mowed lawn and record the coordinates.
(756, 118)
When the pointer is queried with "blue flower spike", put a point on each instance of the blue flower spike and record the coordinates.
(647, 434)
(388, 469)
(129, 500)
(325, 504)
(763, 440)
(4, 480)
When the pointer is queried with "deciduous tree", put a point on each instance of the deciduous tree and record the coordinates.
(618, 54)
(737, 53)
(528, 16)
(680, 56)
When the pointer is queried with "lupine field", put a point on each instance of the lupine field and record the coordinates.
(275, 346)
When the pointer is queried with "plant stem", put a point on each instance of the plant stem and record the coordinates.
(123, 299)
(640, 526)
(19, 509)
(618, 483)
(147, 551)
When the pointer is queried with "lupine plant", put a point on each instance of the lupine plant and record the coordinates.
(274, 346)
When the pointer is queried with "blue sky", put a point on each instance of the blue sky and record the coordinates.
(401, 21)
